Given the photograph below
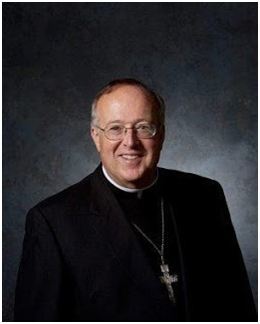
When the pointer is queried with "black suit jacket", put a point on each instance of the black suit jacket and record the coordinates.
(81, 260)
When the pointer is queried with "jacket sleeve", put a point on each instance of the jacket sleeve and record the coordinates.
(238, 293)
(39, 295)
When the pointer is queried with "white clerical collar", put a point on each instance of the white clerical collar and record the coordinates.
(131, 190)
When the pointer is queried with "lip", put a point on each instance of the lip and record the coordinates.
(131, 157)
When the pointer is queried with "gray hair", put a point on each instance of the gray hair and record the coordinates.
(156, 98)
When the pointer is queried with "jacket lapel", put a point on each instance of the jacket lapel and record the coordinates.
(170, 190)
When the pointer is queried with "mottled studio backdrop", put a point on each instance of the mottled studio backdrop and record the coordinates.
(202, 58)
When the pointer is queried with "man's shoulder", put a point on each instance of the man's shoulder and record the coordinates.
(186, 179)
(193, 188)
(68, 199)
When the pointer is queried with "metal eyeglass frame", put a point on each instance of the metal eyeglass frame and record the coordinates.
(124, 132)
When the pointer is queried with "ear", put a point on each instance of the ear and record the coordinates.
(95, 137)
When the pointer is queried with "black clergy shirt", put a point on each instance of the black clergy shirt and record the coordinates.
(144, 210)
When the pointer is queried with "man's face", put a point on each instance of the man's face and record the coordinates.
(131, 161)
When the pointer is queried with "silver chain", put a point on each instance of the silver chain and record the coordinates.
(159, 251)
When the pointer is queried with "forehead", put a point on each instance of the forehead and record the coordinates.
(126, 103)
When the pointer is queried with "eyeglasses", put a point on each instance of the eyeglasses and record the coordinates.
(116, 132)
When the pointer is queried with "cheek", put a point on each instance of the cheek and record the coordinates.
(154, 149)
(107, 149)
(153, 155)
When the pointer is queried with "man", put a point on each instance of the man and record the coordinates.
(132, 242)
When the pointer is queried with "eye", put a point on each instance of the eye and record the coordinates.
(143, 127)
(115, 128)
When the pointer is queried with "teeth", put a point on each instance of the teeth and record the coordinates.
(129, 157)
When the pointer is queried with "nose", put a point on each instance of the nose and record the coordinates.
(130, 138)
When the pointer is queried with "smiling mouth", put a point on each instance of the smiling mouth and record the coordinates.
(130, 157)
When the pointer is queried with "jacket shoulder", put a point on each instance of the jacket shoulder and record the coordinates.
(69, 199)
(186, 177)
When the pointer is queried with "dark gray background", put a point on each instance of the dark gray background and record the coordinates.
(201, 57)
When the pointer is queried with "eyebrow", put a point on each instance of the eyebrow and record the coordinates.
(122, 122)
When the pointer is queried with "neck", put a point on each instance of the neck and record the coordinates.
(114, 183)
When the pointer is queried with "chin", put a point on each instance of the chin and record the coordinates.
(134, 179)
(131, 179)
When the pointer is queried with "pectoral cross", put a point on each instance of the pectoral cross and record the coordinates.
(168, 279)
